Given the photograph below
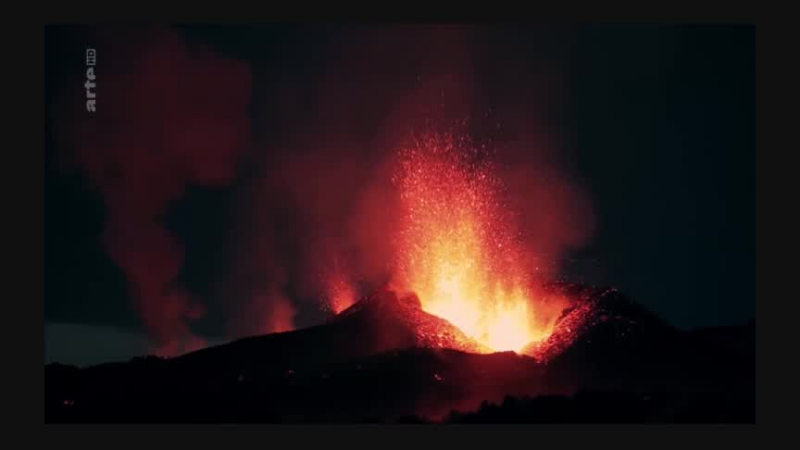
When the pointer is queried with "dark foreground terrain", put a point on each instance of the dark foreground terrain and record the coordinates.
(385, 360)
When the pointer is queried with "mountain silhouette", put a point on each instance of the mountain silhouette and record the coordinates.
(386, 360)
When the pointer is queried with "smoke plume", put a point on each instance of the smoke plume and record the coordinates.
(167, 115)
(316, 209)
(321, 190)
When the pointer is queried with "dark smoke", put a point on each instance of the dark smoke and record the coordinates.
(168, 115)
(316, 207)
(320, 208)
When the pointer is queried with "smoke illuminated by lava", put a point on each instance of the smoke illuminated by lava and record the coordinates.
(458, 247)
(340, 293)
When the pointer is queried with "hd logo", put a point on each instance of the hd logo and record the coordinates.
(91, 100)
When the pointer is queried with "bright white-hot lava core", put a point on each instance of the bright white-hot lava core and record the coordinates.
(459, 249)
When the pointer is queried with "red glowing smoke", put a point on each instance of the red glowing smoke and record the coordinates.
(316, 210)
(167, 115)
(324, 170)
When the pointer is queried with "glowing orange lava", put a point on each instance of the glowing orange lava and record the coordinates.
(458, 248)
(340, 294)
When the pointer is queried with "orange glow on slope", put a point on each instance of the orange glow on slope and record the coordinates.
(340, 293)
(458, 248)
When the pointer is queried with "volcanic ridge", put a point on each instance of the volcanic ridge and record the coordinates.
(384, 359)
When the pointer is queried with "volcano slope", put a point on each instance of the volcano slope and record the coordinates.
(386, 360)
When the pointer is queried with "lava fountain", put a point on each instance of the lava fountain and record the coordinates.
(458, 248)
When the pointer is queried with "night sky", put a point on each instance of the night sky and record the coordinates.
(263, 136)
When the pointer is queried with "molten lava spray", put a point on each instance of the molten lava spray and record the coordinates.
(458, 247)
(339, 291)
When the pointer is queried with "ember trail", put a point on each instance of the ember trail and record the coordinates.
(459, 249)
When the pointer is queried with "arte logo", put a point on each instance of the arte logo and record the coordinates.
(91, 60)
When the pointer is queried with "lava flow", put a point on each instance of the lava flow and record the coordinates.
(458, 248)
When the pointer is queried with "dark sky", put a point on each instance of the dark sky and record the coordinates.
(655, 124)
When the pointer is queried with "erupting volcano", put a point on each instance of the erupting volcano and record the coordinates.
(458, 247)
(399, 224)
(465, 321)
